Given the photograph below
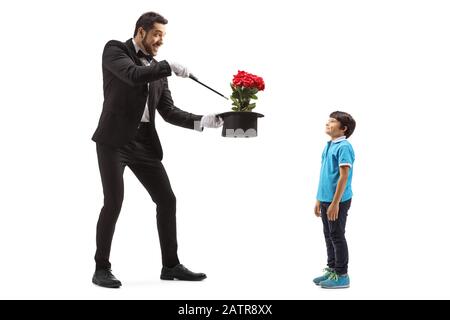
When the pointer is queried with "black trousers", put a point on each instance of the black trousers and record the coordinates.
(140, 158)
(334, 232)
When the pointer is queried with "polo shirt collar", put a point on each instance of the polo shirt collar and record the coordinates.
(339, 139)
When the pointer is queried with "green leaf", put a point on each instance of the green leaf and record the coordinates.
(254, 97)
(251, 106)
(235, 109)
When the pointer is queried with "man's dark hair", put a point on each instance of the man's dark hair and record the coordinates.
(346, 120)
(148, 20)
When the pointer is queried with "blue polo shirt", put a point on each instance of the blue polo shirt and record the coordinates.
(337, 153)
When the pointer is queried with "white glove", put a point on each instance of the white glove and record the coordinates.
(178, 69)
(211, 121)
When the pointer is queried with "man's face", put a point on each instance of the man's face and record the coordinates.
(153, 39)
(333, 128)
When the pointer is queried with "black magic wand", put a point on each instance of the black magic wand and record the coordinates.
(196, 80)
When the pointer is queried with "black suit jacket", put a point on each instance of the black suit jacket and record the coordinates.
(126, 92)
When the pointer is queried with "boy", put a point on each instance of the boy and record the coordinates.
(334, 198)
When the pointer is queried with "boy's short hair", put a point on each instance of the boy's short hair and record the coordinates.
(346, 120)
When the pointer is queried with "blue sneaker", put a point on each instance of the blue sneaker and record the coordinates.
(336, 281)
(326, 275)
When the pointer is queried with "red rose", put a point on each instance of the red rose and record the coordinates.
(242, 98)
(248, 80)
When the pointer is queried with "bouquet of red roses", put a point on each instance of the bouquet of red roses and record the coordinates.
(245, 86)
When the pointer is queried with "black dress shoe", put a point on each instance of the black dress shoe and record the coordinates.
(180, 272)
(104, 278)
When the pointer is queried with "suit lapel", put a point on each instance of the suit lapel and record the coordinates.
(132, 52)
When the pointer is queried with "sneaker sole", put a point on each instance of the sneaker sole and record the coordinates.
(336, 287)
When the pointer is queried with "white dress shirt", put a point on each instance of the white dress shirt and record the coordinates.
(146, 115)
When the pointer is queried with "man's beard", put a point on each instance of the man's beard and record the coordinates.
(147, 47)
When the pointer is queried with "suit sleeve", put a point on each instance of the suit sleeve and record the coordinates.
(176, 116)
(116, 60)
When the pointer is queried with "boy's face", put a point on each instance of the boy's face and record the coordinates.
(333, 128)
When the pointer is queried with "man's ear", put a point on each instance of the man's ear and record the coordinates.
(141, 32)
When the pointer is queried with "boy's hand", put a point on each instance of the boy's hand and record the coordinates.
(333, 212)
(317, 209)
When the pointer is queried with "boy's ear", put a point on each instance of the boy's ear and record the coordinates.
(345, 129)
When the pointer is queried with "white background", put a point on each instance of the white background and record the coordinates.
(244, 205)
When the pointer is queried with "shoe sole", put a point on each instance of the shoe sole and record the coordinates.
(116, 286)
(174, 278)
(336, 287)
